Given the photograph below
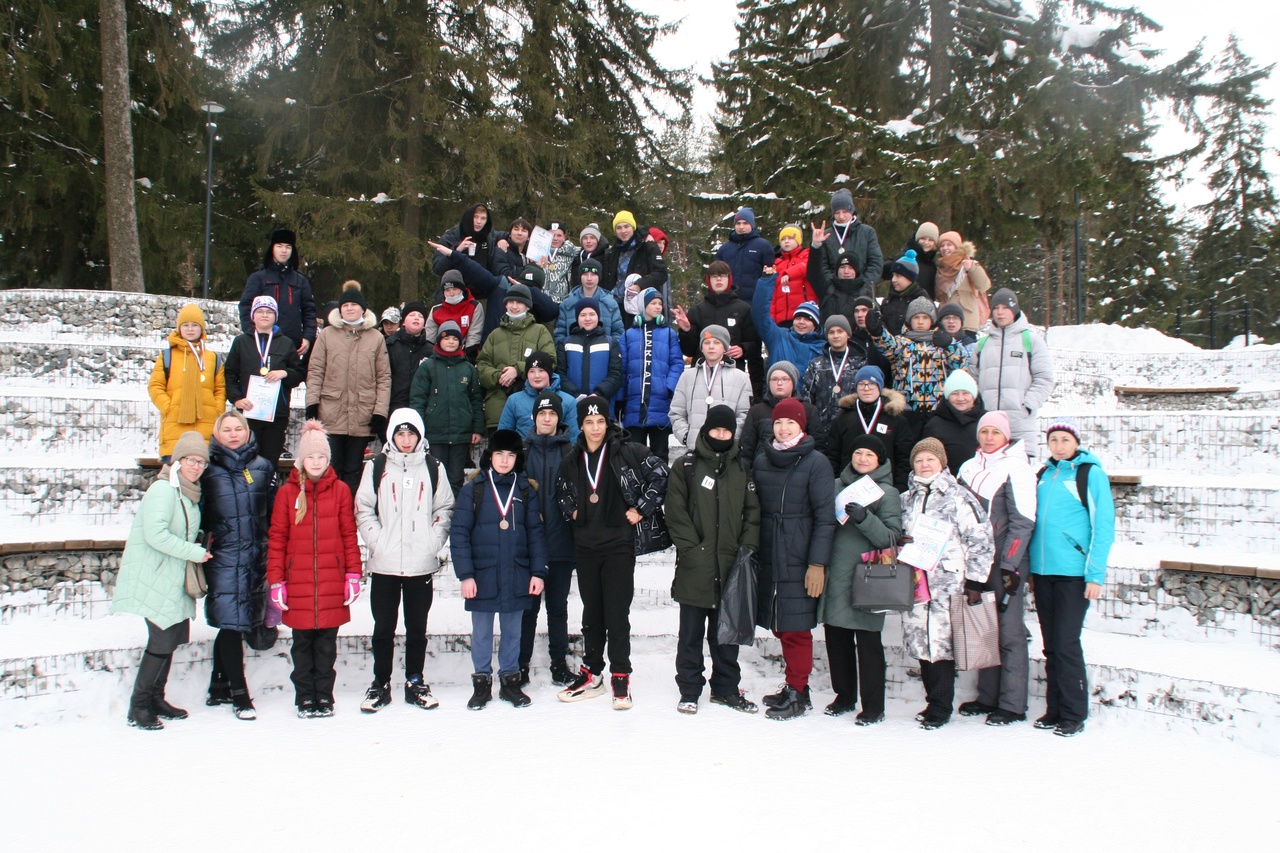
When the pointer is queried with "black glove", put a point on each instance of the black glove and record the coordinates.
(313, 412)
(378, 426)
(1011, 581)
(874, 324)
(857, 512)
(942, 338)
(973, 592)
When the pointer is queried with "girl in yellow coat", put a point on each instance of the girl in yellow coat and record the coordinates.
(193, 393)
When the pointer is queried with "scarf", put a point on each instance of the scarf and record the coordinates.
(187, 391)
(790, 443)
(946, 278)
(925, 337)
(189, 489)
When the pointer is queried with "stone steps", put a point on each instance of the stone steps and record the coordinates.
(1206, 367)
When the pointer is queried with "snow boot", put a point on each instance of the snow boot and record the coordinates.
(736, 701)
(510, 690)
(524, 675)
(561, 675)
(140, 714)
(586, 686)
(219, 692)
(242, 705)
(795, 705)
(483, 691)
(159, 706)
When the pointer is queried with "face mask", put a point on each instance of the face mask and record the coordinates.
(516, 316)
(454, 298)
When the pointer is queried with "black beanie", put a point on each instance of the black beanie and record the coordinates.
(541, 360)
(593, 404)
(410, 307)
(351, 293)
(720, 417)
(548, 400)
(870, 442)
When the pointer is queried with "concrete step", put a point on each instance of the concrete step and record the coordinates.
(1206, 367)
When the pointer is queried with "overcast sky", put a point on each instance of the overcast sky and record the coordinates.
(708, 34)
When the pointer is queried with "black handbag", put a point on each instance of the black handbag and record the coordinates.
(884, 584)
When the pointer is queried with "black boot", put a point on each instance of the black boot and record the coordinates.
(561, 675)
(795, 704)
(219, 693)
(524, 675)
(159, 706)
(510, 691)
(140, 714)
(243, 705)
(483, 685)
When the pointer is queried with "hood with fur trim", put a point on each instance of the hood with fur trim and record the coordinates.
(335, 320)
(894, 402)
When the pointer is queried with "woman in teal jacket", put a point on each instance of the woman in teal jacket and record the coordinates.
(153, 572)
(1075, 527)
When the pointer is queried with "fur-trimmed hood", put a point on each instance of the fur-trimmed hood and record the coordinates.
(335, 320)
(894, 402)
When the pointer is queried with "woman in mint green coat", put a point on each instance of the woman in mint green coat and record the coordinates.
(153, 571)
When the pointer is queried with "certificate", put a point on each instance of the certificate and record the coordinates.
(539, 244)
(863, 491)
(265, 396)
(928, 540)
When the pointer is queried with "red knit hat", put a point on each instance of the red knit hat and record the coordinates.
(791, 409)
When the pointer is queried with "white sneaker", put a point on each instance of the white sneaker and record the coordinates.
(621, 684)
(585, 686)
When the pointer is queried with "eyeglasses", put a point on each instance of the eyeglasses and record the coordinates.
(194, 461)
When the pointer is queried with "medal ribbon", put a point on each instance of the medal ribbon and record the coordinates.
(875, 416)
(196, 353)
(503, 508)
(712, 378)
(593, 482)
(836, 374)
(264, 352)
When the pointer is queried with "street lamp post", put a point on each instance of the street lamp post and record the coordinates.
(211, 109)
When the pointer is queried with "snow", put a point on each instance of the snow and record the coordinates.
(901, 127)
(1106, 337)
(1083, 36)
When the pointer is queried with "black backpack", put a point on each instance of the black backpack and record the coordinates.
(1082, 481)
(380, 471)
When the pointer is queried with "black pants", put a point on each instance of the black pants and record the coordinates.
(696, 624)
(559, 579)
(939, 679)
(348, 458)
(164, 641)
(857, 666)
(606, 584)
(658, 438)
(752, 353)
(385, 595)
(270, 437)
(315, 652)
(1061, 608)
(455, 457)
(228, 659)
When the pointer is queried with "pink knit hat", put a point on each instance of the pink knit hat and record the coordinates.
(952, 236)
(314, 439)
(999, 420)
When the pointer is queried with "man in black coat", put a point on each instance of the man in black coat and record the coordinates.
(278, 277)
(406, 349)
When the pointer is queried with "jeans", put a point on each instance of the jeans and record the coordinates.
(508, 642)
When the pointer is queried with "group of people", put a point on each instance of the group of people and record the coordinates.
(786, 384)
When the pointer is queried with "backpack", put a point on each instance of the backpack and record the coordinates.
(1026, 345)
(1082, 481)
(167, 359)
(380, 471)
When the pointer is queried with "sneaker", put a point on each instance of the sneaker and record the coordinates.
(934, 720)
(865, 719)
(796, 704)
(1048, 722)
(621, 684)
(1001, 717)
(419, 694)
(242, 705)
(920, 715)
(585, 686)
(561, 675)
(687, 705)
(377, 697)
(1069, 728)
(975, 709)
(839, 708)
(324, 708)
(306, 708)
(736, 701)
(774, 700)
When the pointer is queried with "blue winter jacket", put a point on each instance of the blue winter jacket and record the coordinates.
(589, 363)
(747, 255)
(501, 562)
(653, 364)
(235, 505)
(517, 413)
(610, 314)
(543, 455)
(783, 344)
(1068, 539)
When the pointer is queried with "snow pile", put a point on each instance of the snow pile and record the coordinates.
(1255, 341)
(1106, 337)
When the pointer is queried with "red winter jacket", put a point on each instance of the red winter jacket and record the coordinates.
(796, 265)
(315, 555)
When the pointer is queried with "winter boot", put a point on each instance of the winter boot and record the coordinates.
(524, 675)
(140, 714)
(561, 675)
(510, 690)
(163, 709)
(418, 693)
(377, 697)
(242, 705)
(586, 686)
(324, 706)
(975, 709)
(219, 692)
(795, 705)
(483, 692)
(839, 707)
(621, 684)
(736, 701)
(775, 700)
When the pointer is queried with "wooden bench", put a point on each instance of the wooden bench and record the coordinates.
(1122, 390)
(54, 547)
(1221, 569)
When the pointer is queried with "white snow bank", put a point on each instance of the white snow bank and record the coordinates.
(1106, 337)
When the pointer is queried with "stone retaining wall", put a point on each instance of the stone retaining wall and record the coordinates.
(87, 314)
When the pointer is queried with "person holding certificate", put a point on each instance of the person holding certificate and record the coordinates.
(954, 545)
(262, 370)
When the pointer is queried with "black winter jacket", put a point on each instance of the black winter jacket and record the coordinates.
(719, 309)
(543, 455)
(958, 431)
(485, 241)
(296, 314)
(646, 261)
(893, 308)
(889, 427)
(758, 428)
(927, 261)
(244, 361)
(235, 509)
(405, 352)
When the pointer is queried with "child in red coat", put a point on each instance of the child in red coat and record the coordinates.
(792, 266)
(313, 561)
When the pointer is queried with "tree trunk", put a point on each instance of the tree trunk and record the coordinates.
(410, 206)
(124, 254)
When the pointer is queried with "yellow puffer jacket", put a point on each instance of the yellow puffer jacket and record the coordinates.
(190, 397)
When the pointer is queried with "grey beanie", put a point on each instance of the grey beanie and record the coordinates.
(842, 199)
(451, 278)
(720, 333)
(519, 293)
(837, 320)
(789, 369)
(1006, 297)
(920, 305)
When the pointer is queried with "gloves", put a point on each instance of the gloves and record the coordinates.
(942, 338)
(972, 592)
(279, 596)
(353, 590)
(444, 554)
(875, 325)
(1011, 581)
(313, 412)
(378, 426)
(814, 579)
(857, 512)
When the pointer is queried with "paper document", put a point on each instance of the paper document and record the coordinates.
(539, 244)
(863, 491)
(928, 540)
(264, 395)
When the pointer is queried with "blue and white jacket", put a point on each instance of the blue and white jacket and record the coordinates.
(1069, 538)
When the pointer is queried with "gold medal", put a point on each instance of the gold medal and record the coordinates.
(203, 377)
(503, 524)
(264, 371)
(595, 499)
